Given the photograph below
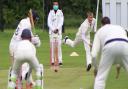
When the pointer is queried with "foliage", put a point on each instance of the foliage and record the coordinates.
(13, 12)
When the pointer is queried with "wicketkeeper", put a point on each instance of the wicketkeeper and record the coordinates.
(24, 52)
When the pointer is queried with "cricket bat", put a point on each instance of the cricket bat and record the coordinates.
(31, 20)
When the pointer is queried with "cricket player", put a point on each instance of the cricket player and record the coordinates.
(24, 52)
(83, 34)
(112, 41)
(55, 23)
(25, 23)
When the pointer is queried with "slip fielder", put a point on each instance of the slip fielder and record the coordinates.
(112, 41)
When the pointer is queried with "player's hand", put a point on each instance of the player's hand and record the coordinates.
(118, 71)
(56, 31)
(95, 72)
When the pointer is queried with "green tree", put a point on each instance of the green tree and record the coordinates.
(11, 12)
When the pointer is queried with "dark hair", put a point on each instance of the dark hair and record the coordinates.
(105, 20)
(26, 34)
(35, 15)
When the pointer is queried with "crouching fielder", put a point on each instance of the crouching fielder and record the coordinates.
(25, 52)
(113, 43)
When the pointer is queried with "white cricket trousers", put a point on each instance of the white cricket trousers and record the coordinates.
(114, 52)
(32, 61)
(52, 48)
(76, 41)
(25, 66)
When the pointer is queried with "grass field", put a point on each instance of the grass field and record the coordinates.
(72, 74)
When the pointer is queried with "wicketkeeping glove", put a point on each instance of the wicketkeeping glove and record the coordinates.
(56, 31)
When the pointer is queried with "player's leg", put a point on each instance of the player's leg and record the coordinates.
(118, 66)
(125, 62)
(125, 58)
(55, 51)
(29, 80)
(88, 54)
(59, 50)
(39, 78)
(19, 83)
(26, 75)
(42, 74)
(51, 50)
(104, 67)
(9, 74)
(73, 43)
(11, 52)
(12, 81)
(13, 74)
(18, 80)
(12, 47)
(39, 72)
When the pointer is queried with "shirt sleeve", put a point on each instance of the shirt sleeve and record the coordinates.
(95, 49)
(83, 28)
(61, 20)
(94, 25)
(50, 21)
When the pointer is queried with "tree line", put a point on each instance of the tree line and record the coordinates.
(12, 11)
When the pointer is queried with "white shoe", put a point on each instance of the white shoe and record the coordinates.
(88, 67)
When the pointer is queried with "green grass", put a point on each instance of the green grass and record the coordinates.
(72, 74)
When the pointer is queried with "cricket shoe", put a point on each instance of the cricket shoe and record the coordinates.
(61, 64)
(89, 67)
(52, 64)
(65, 38)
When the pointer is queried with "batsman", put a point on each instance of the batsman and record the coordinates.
(26, 23)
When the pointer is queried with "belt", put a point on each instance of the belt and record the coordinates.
(116, 39)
